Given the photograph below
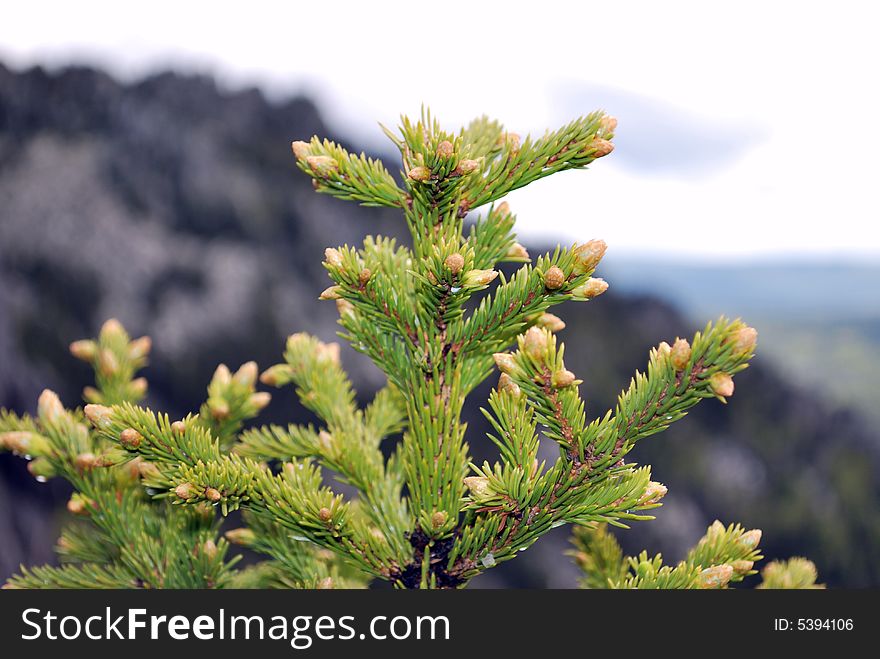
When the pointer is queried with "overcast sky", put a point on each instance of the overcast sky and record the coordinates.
(743, 131)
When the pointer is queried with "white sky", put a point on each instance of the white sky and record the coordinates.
(786, 87)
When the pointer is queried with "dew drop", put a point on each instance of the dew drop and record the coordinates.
(488, 560)
(455, 289)
(41, 479)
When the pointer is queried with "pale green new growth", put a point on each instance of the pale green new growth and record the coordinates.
(723, 556)
(426, 516)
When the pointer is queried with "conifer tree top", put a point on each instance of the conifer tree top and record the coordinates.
(437, 317)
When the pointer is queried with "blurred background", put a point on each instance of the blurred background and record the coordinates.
(145, 174)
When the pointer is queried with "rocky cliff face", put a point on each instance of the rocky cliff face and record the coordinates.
(176, 208)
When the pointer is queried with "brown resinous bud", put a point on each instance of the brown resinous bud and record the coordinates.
(213, 494)
(242, 537)
(506, 383)
(716, 530)
(19, 442)
(84, 350)
(137, 387)
(301, 150)
(554, 278)
(454, 263)
(474, 278)
(130, 439)
(438, 519)
(608, 124)
(246, 374)
(588, 255)
(260, 399)
(466, 167)
(594, 287)
(479, 487)
(107, 362)
(510, 140)
(535, 343)
(322, 166)
(551, 322)
(750, 539)
(653, 493)
(99, 415)
(333, 257)
(49, 407)
(179, 427)
(562, 378)
(328, 352)
(295, 341)
(505, 362)
(681, 354)
(78, 505)
(209, 549)
(218, 407)
(742, 567)
(445, 150)
(41, 468)
(325, 441)
(721, 384)
(517, 252)
(600, 147)
(222, 375)
(744, 340)
(186, 491)
(419, 174)
(717, 576)
(325, 515)
(279, 373)
(331, 293)
(111, 330)
(147, 469)
(86, 461)
(140, 348)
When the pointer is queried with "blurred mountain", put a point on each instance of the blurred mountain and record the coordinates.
(175, 206)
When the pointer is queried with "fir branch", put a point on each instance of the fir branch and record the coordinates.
(676, 380)
(232, 400)
(338, 173)
(87, 575)
(350, 444)
(386, 415)
(514, 166)
(795, 573)
(493, 240)
(724, 555)
(115, 359)
(599, 557)
(147, 487)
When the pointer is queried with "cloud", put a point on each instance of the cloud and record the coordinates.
(657, 137)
